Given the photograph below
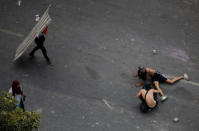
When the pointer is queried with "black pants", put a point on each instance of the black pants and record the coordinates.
(43, 49)
(22, 105)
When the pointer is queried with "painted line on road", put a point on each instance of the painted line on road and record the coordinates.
(185, 81)
(106, 103)
(118, 108)
(11, 32)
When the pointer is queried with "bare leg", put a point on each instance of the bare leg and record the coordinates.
(174, 79)
(156, 83)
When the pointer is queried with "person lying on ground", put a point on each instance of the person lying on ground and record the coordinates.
(148, 97)
(156, 78)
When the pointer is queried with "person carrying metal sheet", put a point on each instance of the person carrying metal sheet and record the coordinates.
(39, 40)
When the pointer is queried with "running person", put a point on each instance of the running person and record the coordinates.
(156, 77)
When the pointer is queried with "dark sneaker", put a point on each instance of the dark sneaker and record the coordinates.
(49, 62)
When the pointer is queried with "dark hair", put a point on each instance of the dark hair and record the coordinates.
(15, 89)
(148, 85)
(142, 73)
(143, 107)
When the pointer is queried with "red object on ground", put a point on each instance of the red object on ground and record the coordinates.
(45, 30)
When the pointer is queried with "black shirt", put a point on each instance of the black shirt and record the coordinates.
(40, 40)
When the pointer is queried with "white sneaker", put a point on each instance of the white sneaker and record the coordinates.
(163, 98)
(186, 77)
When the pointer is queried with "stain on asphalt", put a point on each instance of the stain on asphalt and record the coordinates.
(179, 54)
(93, 73)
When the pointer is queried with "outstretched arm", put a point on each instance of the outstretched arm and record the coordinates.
(140, 84)
(136, 74)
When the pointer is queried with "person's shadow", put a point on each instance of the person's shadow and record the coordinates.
(31, 64)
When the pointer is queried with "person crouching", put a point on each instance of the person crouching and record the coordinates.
(148, 97)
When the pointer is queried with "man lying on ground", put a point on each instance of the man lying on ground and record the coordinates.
(156, 78)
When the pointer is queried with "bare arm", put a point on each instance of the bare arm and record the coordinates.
(22, 93)
(135, 74)
(138, 94)
(156, 91)
(140, 84)
(156, 83)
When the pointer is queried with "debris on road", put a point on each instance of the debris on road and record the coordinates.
(132, 40)
(176, 119)
(154, 51)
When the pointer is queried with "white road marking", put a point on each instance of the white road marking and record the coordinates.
(185, 81)
(106, 103)
(11, 33)
(192, 83)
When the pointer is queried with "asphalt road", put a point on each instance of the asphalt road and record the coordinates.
(95, 47)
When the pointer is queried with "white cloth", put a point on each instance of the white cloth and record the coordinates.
(18, 97)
